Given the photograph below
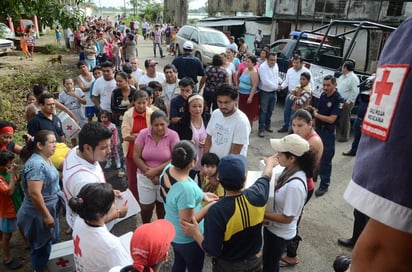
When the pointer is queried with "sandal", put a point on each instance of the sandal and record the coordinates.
(285, 263)
(13, 264)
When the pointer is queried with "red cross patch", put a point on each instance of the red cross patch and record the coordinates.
(387, 88)
(62, 262)
(77, 250)
(69, 127)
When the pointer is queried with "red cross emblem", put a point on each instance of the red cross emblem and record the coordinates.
(383, 87)
(77, 250)
(62, 262)
(387, 90)
(69, 127)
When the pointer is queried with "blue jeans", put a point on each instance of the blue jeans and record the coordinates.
(273, 248)
(328, 138)
(267, 105)
(188, 256)
(160, 49)
(287, 113)
(356, 135)
(40, 256)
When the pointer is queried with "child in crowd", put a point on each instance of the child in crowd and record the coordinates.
(208, 175)
(73, 98)
(30, 41)
(30, 98)
(302, 94)
(104, 118)
(150, 104)
(90, 51)
(23, 45)
(10, 202)
(158, 101)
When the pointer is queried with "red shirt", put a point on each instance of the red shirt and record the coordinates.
(6, 201)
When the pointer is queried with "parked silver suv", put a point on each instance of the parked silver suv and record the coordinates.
(206, 42)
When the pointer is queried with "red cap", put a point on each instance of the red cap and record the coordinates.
(150, 243)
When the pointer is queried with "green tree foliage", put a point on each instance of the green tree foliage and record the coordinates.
(152, 12)
(50, 12)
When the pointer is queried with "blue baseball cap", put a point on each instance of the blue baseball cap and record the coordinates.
(232, 171)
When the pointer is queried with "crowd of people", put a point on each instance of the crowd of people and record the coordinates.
(182, 145)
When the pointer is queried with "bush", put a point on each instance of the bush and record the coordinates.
(14, 88)
(51, 48)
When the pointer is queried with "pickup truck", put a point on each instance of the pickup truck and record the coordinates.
(6, 46)
(326, 48)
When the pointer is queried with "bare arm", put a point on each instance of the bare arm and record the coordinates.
(208, 144)
(235, 148)
(382, 248)
(30, 113)
(138, 160)
(330, 119)
(81, 85)
(96, 101)
(255, 81)
(202, 84)
(62, 107)
(34, 189)
(279, 217)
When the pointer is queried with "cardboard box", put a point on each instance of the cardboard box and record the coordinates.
(61, 256)
(70, 127)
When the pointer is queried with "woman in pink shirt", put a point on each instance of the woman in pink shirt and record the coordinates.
(152, 152)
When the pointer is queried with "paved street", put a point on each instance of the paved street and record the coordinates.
(326, 218)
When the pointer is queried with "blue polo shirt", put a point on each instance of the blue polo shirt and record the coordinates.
(188, 66)
(40, 122)
(330, 105)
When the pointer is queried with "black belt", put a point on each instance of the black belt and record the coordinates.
(274, 92)
(325, 127)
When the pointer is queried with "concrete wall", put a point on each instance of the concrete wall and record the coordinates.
(231, 7)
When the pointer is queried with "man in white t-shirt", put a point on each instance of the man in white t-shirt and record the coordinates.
(228, 129)
(81, 166)
(151, 74)
(103, 87)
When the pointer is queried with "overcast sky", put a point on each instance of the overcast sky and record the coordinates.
(119, 3)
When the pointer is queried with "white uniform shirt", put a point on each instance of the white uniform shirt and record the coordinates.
(96, 249)
(78, 172)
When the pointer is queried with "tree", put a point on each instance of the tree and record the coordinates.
(152, 12)
(50, 12)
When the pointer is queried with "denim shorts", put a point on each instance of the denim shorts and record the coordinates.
(8, 225)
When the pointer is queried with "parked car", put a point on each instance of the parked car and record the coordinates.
(6, 46)
(5, 32)
(206, 42)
